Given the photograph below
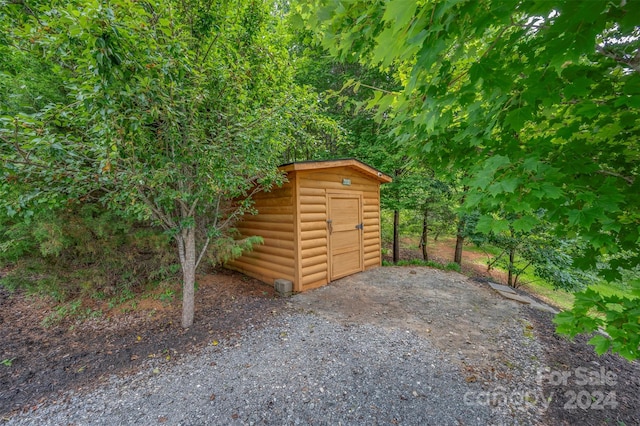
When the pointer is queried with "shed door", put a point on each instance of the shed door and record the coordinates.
(345, 235)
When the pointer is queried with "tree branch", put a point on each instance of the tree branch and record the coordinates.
(388, 92)
(166, 222)
(203, 251)
(490, 262)
(192, 209)
(27, 9)
(515, 281)
(633, 63)
(627, 179)
(206, 54)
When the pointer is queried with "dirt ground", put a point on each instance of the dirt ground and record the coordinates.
(46, 361)
(615, 383)
(564, 358)
(460, 316)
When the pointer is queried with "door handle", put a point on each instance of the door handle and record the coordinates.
(330, 224)
(360, 226)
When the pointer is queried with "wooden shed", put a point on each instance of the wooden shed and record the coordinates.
(321, 225)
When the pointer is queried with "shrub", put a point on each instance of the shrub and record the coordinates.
(83, 251)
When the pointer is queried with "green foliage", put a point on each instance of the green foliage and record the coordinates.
(167, 296)
(164, 272)
(164, 111)
(97, 254)
(425, 203)
(542, 123)
(362, 137)
(439, 207)
(618, 316)
(552, 260)
(71, 310)
(535, 103)
(550, 257)
(452, 266)
(122, 295)
(61, 312)
(225, 249)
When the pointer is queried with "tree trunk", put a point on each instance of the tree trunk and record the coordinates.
(457, 257)
(512, 257)
(423, 238)
(396, 236)
(187, 252)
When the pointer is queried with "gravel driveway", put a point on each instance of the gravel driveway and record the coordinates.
(409, 346)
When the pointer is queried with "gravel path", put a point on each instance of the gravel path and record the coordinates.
(303, 368)
(389, 346)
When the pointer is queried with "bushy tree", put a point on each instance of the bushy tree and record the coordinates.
(166, 110)
(538, 251)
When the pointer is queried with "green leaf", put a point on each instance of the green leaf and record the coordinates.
(516, 119)
(75, 30)
(525, 224)
(399, 12)
(600, 343)
(588, 109)
(488, 224)
(510, 185)
(482, 179)
(385, 50)
(484, 224)
(551, 191)
(496, 162)
(566, 323)
(494, 189)
(578, 87)
(531, 164)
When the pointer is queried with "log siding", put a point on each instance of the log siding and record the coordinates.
(292, 220)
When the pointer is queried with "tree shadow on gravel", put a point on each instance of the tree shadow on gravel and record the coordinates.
(40, 363)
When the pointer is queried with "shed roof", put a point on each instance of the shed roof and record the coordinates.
(347, 162)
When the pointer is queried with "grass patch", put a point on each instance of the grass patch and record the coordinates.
(71, 310)
(487, 250)
(414, 262)
(557, 297)
(614, 289)
(451, 266)
(564, 299)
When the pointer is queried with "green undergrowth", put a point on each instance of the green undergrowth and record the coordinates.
(87, 261)
(559, 297)
(529, 282)
(451, 266)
